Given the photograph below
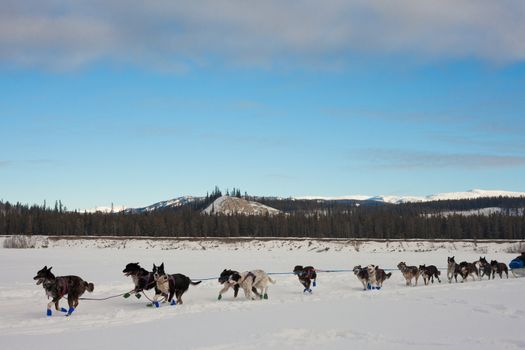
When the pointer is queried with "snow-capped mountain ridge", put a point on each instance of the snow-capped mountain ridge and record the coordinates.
(170, 203)
(393, 199)
(472, 194)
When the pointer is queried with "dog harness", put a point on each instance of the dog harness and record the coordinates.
(250, 274)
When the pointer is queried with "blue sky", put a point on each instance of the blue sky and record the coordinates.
(131, 103)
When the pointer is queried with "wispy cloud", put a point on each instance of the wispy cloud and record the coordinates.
(409, 160)
(169, 34)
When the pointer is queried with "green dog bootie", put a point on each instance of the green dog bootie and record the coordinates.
(265, 296)
(127, 295)
(219, 297)
(137, 296)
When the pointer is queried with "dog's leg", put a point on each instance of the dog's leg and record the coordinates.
(225, 289)
(49, 305)
(247, 286)
(256, 292)
(170, 298)
(265, 292)
(155, 300)
(71, 303)
(247, 293)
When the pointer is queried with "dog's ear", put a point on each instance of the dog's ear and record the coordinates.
(161, 266)
(49, 269)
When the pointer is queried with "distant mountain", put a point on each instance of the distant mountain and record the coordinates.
(103, 209)
(233, 205)
(472, 194)
(359, 199)
(171, 203)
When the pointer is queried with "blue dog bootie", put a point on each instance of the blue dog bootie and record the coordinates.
(314, 284)
(173, 302)
(70, 311)
(156, 303)
(63, 309)
(369, 286)
(49, 312)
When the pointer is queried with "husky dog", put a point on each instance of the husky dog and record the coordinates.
(453, 269)
(306, 275)
(362, 275)
(57, 287)
(409, 272)
(250, 280)
(377, 276)
(169, 285)
(142, 279)
(499, 268)
(428, 273)
(484, 267)
(224, 279)
(467, 269)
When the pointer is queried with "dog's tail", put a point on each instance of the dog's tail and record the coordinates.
(388, 275)
(90, 287)
(195, 283)
(270, 279)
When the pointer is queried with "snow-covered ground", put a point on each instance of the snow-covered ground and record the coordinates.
(338, 315)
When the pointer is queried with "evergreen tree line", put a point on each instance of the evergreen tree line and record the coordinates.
(316, 219)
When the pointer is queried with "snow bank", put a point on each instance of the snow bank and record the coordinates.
(269, 244)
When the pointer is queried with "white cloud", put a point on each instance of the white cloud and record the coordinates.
(171, 33)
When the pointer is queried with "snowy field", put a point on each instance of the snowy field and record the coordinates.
(338, 315)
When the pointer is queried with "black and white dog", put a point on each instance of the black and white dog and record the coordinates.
(142, 278)
(306, 276)
(362, 275)
(224, 279)
(255, 281)
(57, 287)
(428, 273)
(169, 285)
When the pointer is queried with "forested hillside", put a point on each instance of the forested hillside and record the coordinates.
(338, 219)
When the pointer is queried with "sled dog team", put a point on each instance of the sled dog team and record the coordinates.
(254, 283)
(479, 269)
